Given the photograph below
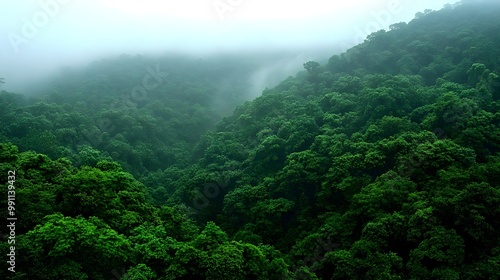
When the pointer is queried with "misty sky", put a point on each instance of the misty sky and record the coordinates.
(40, 36)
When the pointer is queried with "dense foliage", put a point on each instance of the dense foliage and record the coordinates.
(381, 164)
(144, 112)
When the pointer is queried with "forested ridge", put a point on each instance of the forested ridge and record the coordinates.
(381, 163)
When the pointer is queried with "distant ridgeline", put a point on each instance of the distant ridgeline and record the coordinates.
(381, 164)
(146, 113)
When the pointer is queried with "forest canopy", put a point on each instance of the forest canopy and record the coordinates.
(380, 163)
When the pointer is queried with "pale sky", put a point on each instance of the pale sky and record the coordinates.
(36, 37)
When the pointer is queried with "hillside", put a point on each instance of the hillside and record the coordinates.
(380, 164)
(145, 112)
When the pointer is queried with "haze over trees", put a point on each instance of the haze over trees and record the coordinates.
(381, 163)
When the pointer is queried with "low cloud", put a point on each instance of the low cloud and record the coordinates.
(39, 37)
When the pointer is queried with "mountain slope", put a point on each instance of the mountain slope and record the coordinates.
(381, 164)
(385, 151)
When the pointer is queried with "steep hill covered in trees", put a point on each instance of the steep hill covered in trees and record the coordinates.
(144, 112)
(381, 164)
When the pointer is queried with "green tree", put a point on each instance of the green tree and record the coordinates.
(439, 256)
(312, 67)
(72, 248)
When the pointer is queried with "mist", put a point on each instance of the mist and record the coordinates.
(41, 37)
